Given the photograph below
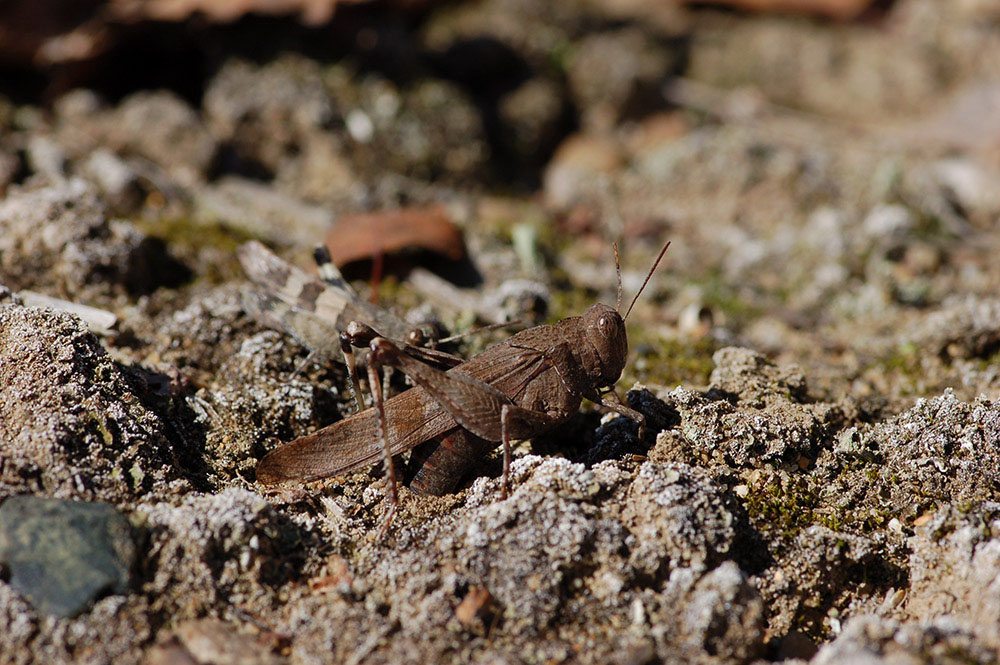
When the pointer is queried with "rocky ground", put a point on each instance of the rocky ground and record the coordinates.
(818, 357)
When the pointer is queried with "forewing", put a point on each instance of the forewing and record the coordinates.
(412, 417)
(314, 332)
(507, 368)
(353, 443)
(333, 302)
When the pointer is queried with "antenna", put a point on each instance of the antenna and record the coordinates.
(476, 331)
(618, 269)
(655, 263)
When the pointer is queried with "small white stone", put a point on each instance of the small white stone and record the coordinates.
(360, 126)
(638, 612)
(888, 220)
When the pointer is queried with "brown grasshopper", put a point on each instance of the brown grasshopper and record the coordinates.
(320, 312)
(516, 389)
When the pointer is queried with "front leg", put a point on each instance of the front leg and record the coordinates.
(347, 351)
(615, 404)
(361, 335)
(383, 432)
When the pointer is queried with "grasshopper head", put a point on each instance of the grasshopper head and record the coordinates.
(604, 328)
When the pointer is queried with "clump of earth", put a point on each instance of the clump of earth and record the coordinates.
(817, 357)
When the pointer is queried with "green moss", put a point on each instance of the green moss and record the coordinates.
(931, 228)
(874, 520)
(186, 237)
(831, 522)
(784, 506)
(720, 295)
(905, 360)
(96, 423)
(559, 56)
(989, 361)
(670, 361)
(569, 302)
(391, 291)
(186, 231)
(905, 368)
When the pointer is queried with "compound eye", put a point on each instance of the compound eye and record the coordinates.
(606, 325)
(417, 337)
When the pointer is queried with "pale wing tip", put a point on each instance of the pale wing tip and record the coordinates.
(249, 250)
(251, 247)
(253, 257)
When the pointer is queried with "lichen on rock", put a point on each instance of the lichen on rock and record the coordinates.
(72, 424)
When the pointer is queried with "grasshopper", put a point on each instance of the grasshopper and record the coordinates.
(516, 389)
(321, 312)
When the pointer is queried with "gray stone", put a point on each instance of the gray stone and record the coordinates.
(261, 211)
(887, 221)
(533, 115)
(63, 555)
(964, 327)
(46, 158)
(115, 177)
(162, 127)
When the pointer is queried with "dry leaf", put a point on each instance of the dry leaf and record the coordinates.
(358, 237)
(339, 579)
(42, 33)
(49, 32)
(477, 603)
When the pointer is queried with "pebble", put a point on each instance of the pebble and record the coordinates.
(887, 220)
(63, 555)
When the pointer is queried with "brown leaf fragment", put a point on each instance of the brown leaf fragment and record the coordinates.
(478, 603)
(47, 32)
(339, 579)
(358, 237)
(42, 33)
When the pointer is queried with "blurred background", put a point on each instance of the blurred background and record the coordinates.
(827, 169)
(828, 172)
